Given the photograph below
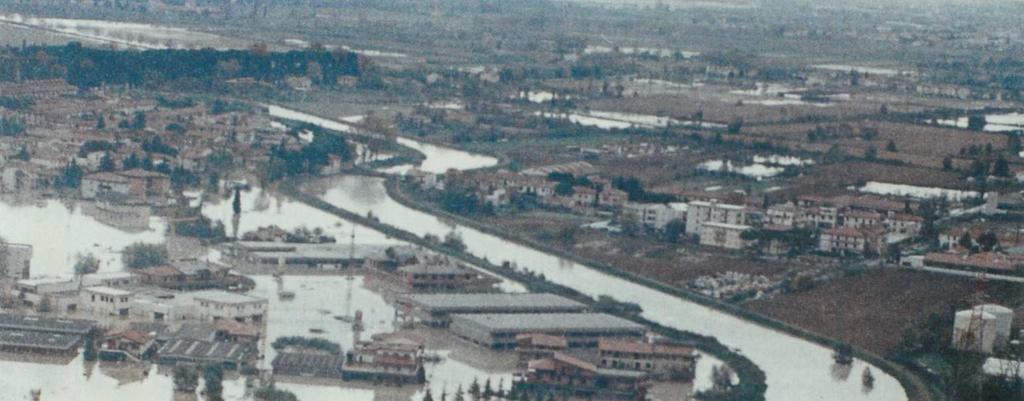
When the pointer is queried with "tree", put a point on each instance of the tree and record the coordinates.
(70, 176)
(101, 123)
(474, 389)
(23, 154)
(965, 240)
(871, 153)
(1001, 168)
(674, 229)
(86, 264)
(236, 204)
(988, 241)
(427, 396)
(563, 189)
(139, 121)
(976, 122)
(186, 379)
(947, 163)
(735, 126)
(140, 255)
(891, 146)
(213, 377)
(107, 163)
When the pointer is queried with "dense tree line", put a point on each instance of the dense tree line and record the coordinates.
(89, 67)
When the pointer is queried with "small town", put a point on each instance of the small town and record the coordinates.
(537, 200)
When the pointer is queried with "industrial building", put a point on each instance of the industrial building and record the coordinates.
(579, 329)
(306, 364)
(199, 352)
(436, 309)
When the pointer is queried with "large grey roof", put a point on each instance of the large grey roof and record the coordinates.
(45, 324)
(546, 322)
(496, 302)
(39, 340)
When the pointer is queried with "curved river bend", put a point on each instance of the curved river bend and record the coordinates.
(796, 369)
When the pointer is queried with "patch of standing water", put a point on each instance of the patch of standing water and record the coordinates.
(59, 231)
(756, 170)
(914, 191)
(1007, 122)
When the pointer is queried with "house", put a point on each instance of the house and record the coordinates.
(860, 218)
(220, 304)
(16, 262)
(660, 360)
(127, 344)
(849, 240)
(723, 235)
(386, 359)
(531, 346)
(580, 374)
(146, 184)
(443, 277)
(48, 294)
(785, 214)
(612, 198)
(700, 212)
(654, 216)
(106, 301)
(105, 184)
(18, 176)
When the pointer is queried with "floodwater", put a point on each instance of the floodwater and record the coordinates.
(796, 369)
(131, 35)
(756, 170)
(1005, 122)
(60, 230)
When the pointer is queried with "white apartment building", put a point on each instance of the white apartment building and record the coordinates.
(699, 213)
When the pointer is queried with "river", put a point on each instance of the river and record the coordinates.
(796, 369)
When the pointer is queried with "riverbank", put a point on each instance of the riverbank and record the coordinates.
(752, 382)
(916, 388)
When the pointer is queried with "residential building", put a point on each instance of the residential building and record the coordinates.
(654, 216)
(670, 361)
(849, 240)
(17, 261)
(700, 212)
(580, 374)
(723, 235)
(220, 304)
(106, 301)
(127, 344)
(386, 359)
(443, 277)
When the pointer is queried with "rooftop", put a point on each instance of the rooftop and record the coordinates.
(35, 339)
(113, 292)
(44, 324)
(225, 297)
(544, 322)
(452, 302)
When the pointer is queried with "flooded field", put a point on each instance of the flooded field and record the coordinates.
(126, 34)
(1006, 122)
